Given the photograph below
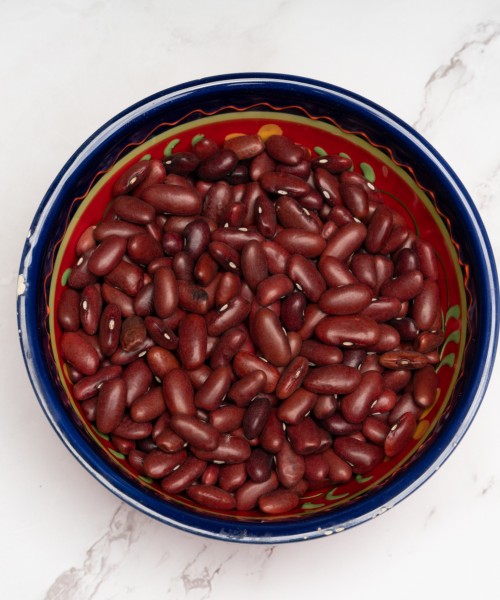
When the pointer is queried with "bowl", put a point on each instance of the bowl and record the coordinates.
(414, 180)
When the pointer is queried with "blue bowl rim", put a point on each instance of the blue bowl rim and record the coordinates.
(250, 531)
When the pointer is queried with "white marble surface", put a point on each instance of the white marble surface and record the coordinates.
(66, 66)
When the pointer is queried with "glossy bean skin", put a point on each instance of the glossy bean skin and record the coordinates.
(149, 406)
(230, 450)
(278, 502)
(305, 436)
(227, 418)
(137, 377)
(284, 150)
(426, 305)
(227, 316)
(192, 334)
(259, 465)
(346, 300)
(213, 391)
(78, 352)
(349, 331)
(400, 434)
(195, 432)
(159, 464)
(133, 176)
(187, 473)
(248, 494)
(332, 379)
(306, 277)
(426, 258)
(218, 165)
(107, 255)
(356, 406)
(178, 393)
(173, 199)
(425, 386)
(345, 241)
(253, 264)
(272, 340)
(320, 354)
(88, 387)
(232, 477)
(255, 417)
(290, 466)
(363, 456)
(68, 310)
(272, 436)
(292, 311)
(296, 406)
(404, 287)
(273, 288)
(292, 377)
(111, 404)
(299, 241)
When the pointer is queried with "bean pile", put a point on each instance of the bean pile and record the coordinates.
(248, 323)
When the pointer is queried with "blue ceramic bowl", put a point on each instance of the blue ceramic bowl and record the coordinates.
(398, 160)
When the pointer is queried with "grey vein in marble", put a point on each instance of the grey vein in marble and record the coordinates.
(453, 76)
(101, 560)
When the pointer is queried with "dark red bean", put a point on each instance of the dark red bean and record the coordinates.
(340, 471)
(348, 331)
(149, 406)
(173, 199)
(301, 242)
(107, 255)
(88, 387)
(245, 146)
(256, 416)
(218, 165)
(332, 379)
(400, 434)
(403, 359)
(334, 163)
(292, 311)
(137, 377)
(425, 386)
(259, 465)
(232, 477)
(271, 338)
(346, 300)
(247, 496)
(178, 393)
(131, 177)
(195, 432)
(278, 502)
(356, 406)
(426, 305)
(79, 353)
(231, 450)
(305, 275)
(68, 310)
(292, 377)
(272, 436)
(363, 456)
(426, 258)
(111, 405)
(290, 466)
(133, 210)
(284, 150)
(192, 341)
(345, 241)
(404, 287)
(127, 277)
(213, 391)
(247, 387)
(183, 477)
(335, 272)
(305, 436)
(133, 333)
(291, 214)
(227, 418)
(227, 316)
(158, 464)
(328, 185)
(295, 407)
(378, 229)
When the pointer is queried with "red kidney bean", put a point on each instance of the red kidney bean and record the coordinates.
(332, 379)
(278, 502)
(149, 406)
(192, 341)
(335, 272)
(338, 426)
(284, 150)
(405, 404)
(181, 163)
(133, 210)
(292, 311)
(118, 228)
(346, 300)
(245, 146)
(173, 199)
(144, 248)
(227, 418)
(111, 405)
(406, 327)
(339, 471)
(254, 264)
(364, 269)
(290, 466)
(272, 436)
(305, 275)
(227, 347)
(273, 288)
(88, 387)
(363, 456)
(231, 449)
(356, 406)
(131, 177)
(354, 358)
(184, 476)
(248, 494)
(296, 406)
(127, 277)
(292, 377)
(256, 416)
(328, 185)
(259, 465)
(400, 434)
(283, 184)
(404, 287)
(86, 242)
(333, 163)
(375, 430)
(228, 287)
(132, 334)
(213, 391)
(305, 437)
(345, 241)
(325, 406)
(218, 165)
(403, 359)
(276, 256)
(137, 377)
(348, 331)
(389, 339)
(80, 275)
(396, 380)
(247, 387)
(79, 353)
(291, 214)
(378, 230)
(232, 477)
(299, 241)
(165, 292)
(425, 386)
(383, 309)
(426, 258)
(271, 338)
(68, 310)
(265, 216)
(227, 316)
(107, 255)
(385, 402)
(195, 432)
(158, 464)
(406, 260)
(428, 341)
(316, 467)
(426, 305)
(131, 430)
(178, 393)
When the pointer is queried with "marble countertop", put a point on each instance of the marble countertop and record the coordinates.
(66, 67)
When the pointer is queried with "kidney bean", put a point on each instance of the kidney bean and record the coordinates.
(290, 466)
(68, 310)
(403, 359)
(131, 430)
(231, 449)
(316, 467)
(375, 430)
(271, 338)
(426, 305)
(228, 287)
(296, 406)
(292, 377)
(165, 292)
(133, 333)
(339, 471)
(247, 387)
(111, 404)
(256, 416)
(278, 502)
(265, 216)
(253, 264)
(227, 418)
(259, 465)
(248, 494)
(133, 210)
(193, 298)
(428, 341)
(192, 341)
(400, 434)
(245, 146)
(79, 353)
(144, 248)
(227, 316)
(136, 460)
(184, 476)
(379, 229)
(356, 406)
(328, 186)
(427, 258)
(305, 437)
(325, 406)
(107, 255)
(227, 347)
(345, 241)
(348, 331)
(158, 464)
(178, 393)
(284, 150)
(333, 163)
(195, 432)
(160, 333)
(217, 165)
(405, 404)
(86, 242)
(127, 277)
(346, 300)
(385, 402)
(291, 214)
(137, 377)
(276, 256)
(335, 272)
(173, 199)
(364, 269)
(425, 386)
(88, 387)
(354, 358)
(363, 456)
(121, 444)
(404, 287)
(396, 380)
(149, 406)
(133, 176)
(389, 339)
(337, 425)
(301, 242)
(406, 327)
(292, 311)
(80, 275)
(306, 277)
(232, 477)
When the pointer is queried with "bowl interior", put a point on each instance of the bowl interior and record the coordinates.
(418, 204)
